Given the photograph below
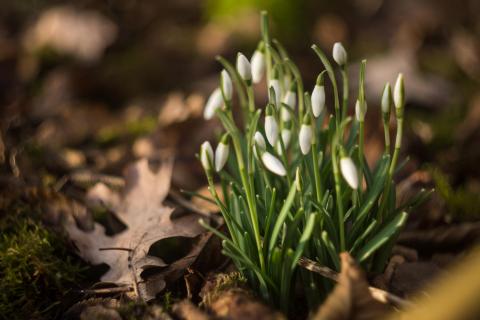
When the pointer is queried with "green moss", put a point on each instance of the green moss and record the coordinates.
(36, 270)
(131, 129)
(462, 204)
(222, 282)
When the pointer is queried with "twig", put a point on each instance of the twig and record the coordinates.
(107, 290)
(378, 294)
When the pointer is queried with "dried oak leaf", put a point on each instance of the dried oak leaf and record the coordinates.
(140, 208)
(351, 298)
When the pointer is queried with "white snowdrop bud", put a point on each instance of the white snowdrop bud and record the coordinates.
(206, 155)
(360, 110)
(243, 67)
(318, 96)
(286, 113)
(349, 172)
(286, 136)
(290, 99)
(318, 100)
(227, 85)
(339, 54)
(298, 180)
(386, 99)
(214, 102)
(258, 66)
(275, 84)
(399, 92)
(305, 138)
(221, 153)
(271, 130)
(260, 141)
(273, 164)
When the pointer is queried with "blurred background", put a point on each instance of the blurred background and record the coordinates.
(90, 85)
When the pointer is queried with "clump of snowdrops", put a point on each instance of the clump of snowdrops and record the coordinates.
(294, 177)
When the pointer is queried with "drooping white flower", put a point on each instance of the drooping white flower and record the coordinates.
(399, 92)
(286, 136)
(273, 164)
(271, 129)
(305, 138)
(318, 100)
(258, 66)
(349, 172)
(275, 84)
(206, 155)
(260, 141)
(339, 54)
(360, 110)
(386, 99)
(221, 155)
(214, 102)
(286, 113)
(243, 67)
(290, 99)
(227, 85)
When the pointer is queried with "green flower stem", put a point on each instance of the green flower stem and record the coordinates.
(338, 194)
(266, 39)
(398, 144)
(285, 160)
(298, 78)
(249, 192)
(251, 98)
(345, 92)
(386, 130)
(316, 169)
(361, 152)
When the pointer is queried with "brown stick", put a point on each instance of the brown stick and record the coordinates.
(378, 294)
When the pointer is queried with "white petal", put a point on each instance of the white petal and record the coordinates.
(260, 141)
(305, 138)
(221, 156)
(285, 114)
(360, 110)
(271, 130)
(349, 172)
(243, 67)
(318, 100)
(339, 54)
(286, 135)
(258, 66)
(386, 99)
(399, 92)
(275, 84)
(227, 85)
(273, 164)
(214, 102)
(290, 99)
(206, 155)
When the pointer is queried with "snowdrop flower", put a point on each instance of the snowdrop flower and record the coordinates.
(386, 99)
(226, 85)
(298, 180)
(305, 138)
(318, 97)
(258, 65)
(339, 54)
(360, 110)
(271, 127)
(290, 98)
(221, 153)
(285, 113)
(206, 155)
(260, 141)
(273, 164)
(286, 136)
(275, 84)
(214, 102)
(399, 92)
(243, 67)
(349, 171)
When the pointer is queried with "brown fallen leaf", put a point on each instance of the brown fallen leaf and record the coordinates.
(351, 298)
(140, 208)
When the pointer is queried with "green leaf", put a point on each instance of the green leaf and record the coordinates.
(331, 250)
(307, 233)
(382, 237)
(282, 216)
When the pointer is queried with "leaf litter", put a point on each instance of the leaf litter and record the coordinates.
(140, 207)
